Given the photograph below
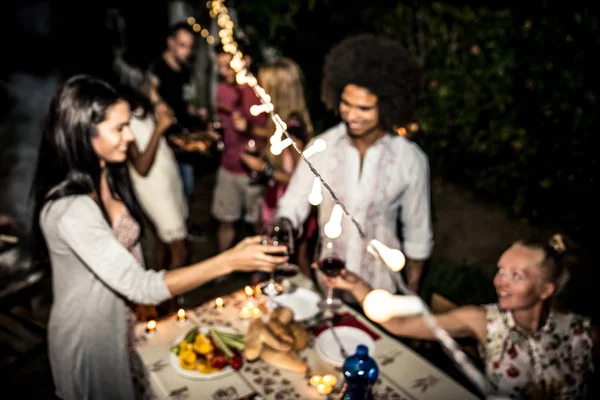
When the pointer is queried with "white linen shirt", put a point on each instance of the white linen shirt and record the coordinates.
(392, 187)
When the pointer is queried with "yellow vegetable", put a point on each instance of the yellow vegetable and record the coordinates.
(204, 368)
(187, 359)
(202, 345)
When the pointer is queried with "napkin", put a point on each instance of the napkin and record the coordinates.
(347, 319)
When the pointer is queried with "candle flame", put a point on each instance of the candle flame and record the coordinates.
(151, 325)
(315, 380)
(219, 302)
(249, 291)
(329, 380)
(181, 313)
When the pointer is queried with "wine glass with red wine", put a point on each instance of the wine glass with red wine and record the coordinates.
(279, 232)
(330, 258)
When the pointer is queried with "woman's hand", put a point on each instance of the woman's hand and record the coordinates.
(240, 123)
(346, 280)
(254, 163)
(251, 255)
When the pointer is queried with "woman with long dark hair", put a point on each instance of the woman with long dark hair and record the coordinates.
(87, 225)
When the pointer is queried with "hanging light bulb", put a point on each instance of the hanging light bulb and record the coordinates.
(277, 148)
(333, 228)
(315, 197)
(276, 137)
(261, 108)
(380, 305)
(318, 146)
(393, 258)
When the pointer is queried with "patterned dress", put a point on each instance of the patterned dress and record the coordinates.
(553, 363)
(127, 232)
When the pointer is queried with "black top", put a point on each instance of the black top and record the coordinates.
(174, 88)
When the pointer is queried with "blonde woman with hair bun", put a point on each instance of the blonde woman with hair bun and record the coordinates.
(531, 350)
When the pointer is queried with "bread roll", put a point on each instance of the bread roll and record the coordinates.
(273, 341)
(289, 361)
(254, 341)
(283, 314)
(280, 331)
(301, 336)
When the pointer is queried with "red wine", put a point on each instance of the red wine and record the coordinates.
(286, 271)
(332, 266)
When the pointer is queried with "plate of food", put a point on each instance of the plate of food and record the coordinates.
(207, 352)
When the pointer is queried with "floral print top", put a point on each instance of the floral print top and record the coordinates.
(553, 363)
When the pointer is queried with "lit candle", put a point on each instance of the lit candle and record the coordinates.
(219, 303)
(151, 327)
(257, 290)
(329, 380)
(245, 312)
(181, 315)
(323, 388)
(249, 297)
(256, 312)
(316, 380)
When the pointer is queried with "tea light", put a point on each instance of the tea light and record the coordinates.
(249, 292)
(181, 315)
(256, 312)
(323, 388)
(245, 312)
(219, 304)
(316, 380)
(329, 380)
(151, 327)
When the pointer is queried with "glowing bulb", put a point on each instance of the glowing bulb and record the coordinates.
(393, 258)
(210, 40)
(191, 20)
(277, 148)
(318, 146)
(262, 108)
(276, 137)
(181, 315)
(219, 303)
(333, 228)
(204, 33)
(251, 81)
(196, 27)
(315, 197)
(380, 305)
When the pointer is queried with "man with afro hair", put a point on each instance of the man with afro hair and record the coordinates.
(382, 177)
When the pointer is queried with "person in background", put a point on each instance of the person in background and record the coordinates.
(531, 349)
(381, 177)
(170, 79)
(87, 223)
(283, 80)
(235, 197)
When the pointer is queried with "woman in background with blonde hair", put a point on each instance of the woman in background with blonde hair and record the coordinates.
(283, 80)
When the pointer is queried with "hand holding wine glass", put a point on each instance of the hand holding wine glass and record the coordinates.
(331, 262)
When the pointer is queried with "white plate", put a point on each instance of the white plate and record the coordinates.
(350, 337)
(195, 374)
(303, 302)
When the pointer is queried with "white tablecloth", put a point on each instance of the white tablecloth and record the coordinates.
(403, 373)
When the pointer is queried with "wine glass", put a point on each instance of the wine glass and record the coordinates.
(330, 258)
(277, 233)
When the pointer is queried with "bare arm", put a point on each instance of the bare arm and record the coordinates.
(142, 162)
(246, 256)
(462, 322)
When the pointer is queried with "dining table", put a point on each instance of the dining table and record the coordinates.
(403, 373)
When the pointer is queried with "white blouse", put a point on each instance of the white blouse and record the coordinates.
(391, 190)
